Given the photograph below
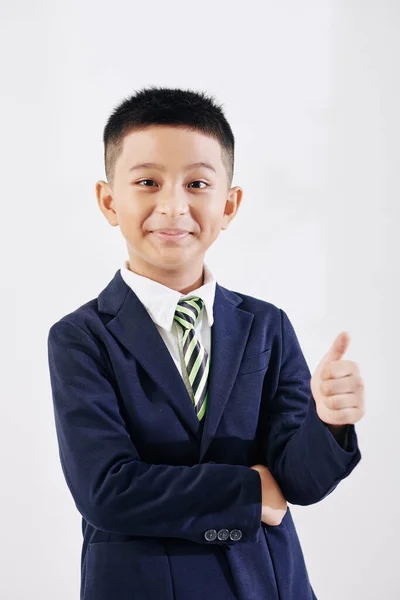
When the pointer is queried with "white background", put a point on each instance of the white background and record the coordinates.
(311, 90)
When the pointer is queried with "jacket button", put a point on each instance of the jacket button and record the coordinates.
(235, 535)
(210, 535)
(223, 534)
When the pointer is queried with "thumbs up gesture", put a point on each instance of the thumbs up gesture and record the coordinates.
(337, 387)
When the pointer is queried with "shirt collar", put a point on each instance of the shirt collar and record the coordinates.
(161, 301)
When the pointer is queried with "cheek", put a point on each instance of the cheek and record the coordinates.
(211, 217)
(210, 226)
(132, 213)
(132, 223)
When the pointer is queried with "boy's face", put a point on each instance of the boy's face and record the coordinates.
(143, 199)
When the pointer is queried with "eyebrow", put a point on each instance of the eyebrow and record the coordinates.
(151, 165)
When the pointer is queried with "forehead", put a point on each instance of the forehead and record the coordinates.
(171, 146)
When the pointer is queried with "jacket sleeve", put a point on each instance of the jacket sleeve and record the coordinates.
(300, 450)
(112, 488)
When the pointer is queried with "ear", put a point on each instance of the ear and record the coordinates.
(105, 202)
(232, 204)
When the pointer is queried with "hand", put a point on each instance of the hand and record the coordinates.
(337, 387)
(274, 505)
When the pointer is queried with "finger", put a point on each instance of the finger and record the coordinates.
(339, 368)
(339, 346)
(342, 402)
(342, 385)
(344, 416)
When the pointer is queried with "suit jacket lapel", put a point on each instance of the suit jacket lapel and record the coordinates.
(133, 327)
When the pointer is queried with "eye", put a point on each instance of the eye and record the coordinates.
(146, 180)
(197, 181)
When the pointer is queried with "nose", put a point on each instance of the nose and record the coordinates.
(172, 203)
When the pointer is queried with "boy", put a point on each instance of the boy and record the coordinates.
(184, 411)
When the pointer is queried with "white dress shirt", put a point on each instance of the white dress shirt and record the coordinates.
(160, 302)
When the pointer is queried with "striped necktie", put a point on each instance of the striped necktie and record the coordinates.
(195, 355)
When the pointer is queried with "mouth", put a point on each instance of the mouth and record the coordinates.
(171, 237)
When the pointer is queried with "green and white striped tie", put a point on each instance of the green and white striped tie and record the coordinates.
(195, 355)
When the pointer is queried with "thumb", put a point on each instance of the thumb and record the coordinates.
(338, 348)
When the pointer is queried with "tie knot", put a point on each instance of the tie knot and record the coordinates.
(188, 311)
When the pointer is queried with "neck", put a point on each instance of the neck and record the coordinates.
(175, 280)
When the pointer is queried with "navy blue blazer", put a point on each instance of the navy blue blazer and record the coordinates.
(170, 507)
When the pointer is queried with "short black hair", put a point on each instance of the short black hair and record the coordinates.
(167, 106)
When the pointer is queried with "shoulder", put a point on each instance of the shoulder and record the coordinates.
(255, 305)
(85, 317)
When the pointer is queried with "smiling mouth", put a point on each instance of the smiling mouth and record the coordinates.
(171, 237)
(171, 231)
